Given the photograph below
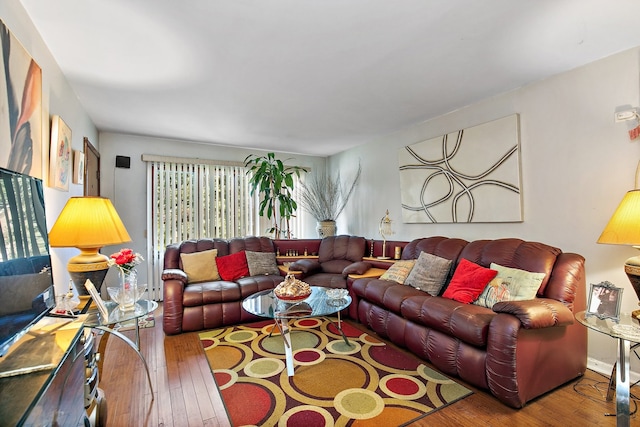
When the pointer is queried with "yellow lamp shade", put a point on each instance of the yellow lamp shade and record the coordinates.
(88, 222)
(624, 226)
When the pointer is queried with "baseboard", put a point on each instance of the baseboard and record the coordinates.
(606, 368)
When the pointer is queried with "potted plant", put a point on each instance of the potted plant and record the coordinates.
(325, 197)
(274, 182)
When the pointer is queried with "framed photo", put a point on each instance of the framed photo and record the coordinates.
(78, 167)
(60, 155)
(95, 295)
(604, 301)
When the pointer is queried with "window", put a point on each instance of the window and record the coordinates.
(192, 199)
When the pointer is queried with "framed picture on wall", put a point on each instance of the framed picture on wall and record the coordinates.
(604, 301)
(78, 167)
(60, 155)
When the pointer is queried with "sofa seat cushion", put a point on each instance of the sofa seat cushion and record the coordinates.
(252, 284)
(210, 293)
(328, 280)
(385, 293)
(335, 266)
(467, 322)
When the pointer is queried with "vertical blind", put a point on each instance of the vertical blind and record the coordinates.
(193, 199)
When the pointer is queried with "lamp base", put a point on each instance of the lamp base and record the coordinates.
(88, 265)
(384, 257)
(632, 268)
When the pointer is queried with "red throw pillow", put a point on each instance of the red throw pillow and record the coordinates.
(468, 282)
(233, 267)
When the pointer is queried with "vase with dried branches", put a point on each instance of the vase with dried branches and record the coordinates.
(325, 197)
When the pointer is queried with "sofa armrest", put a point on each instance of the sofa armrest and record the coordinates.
(537, 313)
(359, 268)
(174, 274)
(306, 266)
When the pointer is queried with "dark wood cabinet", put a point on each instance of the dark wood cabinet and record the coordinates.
(54, 394)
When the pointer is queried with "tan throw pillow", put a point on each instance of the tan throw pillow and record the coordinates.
(399, 271)
(200, 266)
(430, 273)
(261, 263)
(511, 284)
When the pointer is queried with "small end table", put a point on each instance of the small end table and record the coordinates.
(96, 321)
(626, 330)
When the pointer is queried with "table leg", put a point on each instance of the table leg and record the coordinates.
(622, 384)
(288, 351)
(339, 327)
(135, 348)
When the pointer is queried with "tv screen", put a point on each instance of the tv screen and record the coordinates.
(26, 282)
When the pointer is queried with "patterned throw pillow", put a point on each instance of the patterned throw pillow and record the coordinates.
(233, 267)
(261, 263)
(399, 271)
(468, 281)
(511, 284)
(200, 266)
(429, 273)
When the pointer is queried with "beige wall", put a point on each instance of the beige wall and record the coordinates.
(57, 98)
(576, 166)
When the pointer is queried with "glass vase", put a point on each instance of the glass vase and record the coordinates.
(128, 290)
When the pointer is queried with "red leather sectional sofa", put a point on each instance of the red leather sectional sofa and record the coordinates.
(518, 350)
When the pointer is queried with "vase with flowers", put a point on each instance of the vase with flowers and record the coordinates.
(126, 261)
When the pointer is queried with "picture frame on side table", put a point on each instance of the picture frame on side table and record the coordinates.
(95, 295)
(60, 155)
(604, 301)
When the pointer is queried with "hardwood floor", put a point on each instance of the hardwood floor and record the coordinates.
(186, 395)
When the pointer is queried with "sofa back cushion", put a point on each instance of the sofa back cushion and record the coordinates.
(172, 252)
(251, 243)
(515, 253)
(443, 247)
(346, 248)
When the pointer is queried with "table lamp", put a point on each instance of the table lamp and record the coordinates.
(385, 230)
(88, 223)
(624, 229)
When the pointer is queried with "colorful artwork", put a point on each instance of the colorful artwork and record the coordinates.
(472, 175)
(60, 155)
(20, 108)
(78, 167)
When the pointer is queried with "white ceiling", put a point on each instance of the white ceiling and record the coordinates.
(313, 76)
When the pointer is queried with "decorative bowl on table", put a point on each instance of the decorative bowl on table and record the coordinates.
(337, 293)
(292, 289)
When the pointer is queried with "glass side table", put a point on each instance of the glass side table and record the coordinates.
(626, 330)
(143, 307)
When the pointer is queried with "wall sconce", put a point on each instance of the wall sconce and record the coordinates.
(625, 114)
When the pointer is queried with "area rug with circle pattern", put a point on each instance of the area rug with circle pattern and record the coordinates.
(368, 383)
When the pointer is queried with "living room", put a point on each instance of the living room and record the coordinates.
(577, 163)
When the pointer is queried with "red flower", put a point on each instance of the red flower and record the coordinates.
(125, 259)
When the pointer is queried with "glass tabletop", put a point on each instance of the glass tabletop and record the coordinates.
(142, 307)
(627, 327)
(266, 304)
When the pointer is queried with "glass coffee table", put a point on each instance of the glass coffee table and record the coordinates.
(318, 304)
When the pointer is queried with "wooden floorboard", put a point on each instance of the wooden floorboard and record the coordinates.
(185, 393)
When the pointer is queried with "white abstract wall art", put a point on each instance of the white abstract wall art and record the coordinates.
(472, 175)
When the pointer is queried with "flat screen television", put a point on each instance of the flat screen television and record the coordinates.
(26, 281)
